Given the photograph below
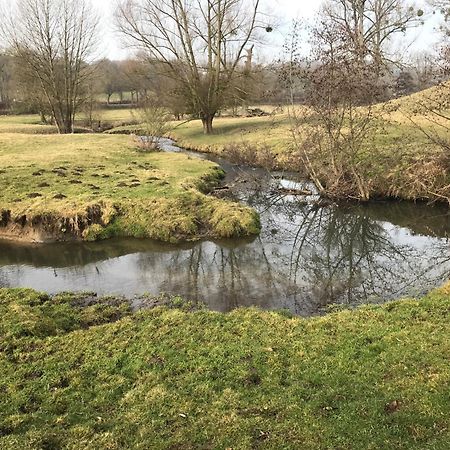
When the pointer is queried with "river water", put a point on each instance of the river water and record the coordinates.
(309, 256)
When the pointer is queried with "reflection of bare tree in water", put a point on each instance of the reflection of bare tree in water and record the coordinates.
(342, 254)
(224, 277)
(347, 256)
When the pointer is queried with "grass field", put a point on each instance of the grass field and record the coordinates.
(398, 160)
(98, 186)
(103, 378)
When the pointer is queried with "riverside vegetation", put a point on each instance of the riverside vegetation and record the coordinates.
(78, 374)
(403, 155)
(81, 373)
(95, 186)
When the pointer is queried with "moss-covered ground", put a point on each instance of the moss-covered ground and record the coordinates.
(100, 377)
(97, 186)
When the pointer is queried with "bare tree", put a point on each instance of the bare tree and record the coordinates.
(370, 25)
(155, 123)
(200, 42)
(54, 40)
(334, 132)
(6, 80)
(442, 7)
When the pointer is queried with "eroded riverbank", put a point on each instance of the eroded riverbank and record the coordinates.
(91, 187)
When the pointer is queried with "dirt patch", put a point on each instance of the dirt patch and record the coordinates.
(60, 173)
(48, 227)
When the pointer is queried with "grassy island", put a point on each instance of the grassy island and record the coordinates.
(88, 186)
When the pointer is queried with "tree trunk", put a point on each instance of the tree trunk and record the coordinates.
(64, 124)
(207, 122)
(43, 118)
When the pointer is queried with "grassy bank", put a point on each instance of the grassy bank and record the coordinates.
(399, 157)
(100, 377)
(97, 186)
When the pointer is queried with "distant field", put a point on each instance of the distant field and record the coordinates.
(115, 98)
(31, 123)
(26, 123)
(273, 131)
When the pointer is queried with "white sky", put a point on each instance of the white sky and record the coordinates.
(285, 11)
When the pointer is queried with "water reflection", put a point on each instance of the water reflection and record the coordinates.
(307, 257)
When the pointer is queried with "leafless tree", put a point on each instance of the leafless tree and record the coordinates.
(53, 40)
(6, 79)
(200, 42)
(370, 25)
(334, 131)
(155, 121)
(442, 7)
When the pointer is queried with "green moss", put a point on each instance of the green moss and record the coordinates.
(96, 378)
(231, 220)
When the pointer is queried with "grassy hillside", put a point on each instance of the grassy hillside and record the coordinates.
(402, 154)
(97, 186)
(100, 377)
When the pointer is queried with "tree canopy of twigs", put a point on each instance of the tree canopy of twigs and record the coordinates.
(370, 25)
(201, 44)
(53, 40)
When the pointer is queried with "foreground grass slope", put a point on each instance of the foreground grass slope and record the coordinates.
(100, 377)
(97, 186)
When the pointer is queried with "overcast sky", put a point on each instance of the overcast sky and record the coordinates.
(286, 10)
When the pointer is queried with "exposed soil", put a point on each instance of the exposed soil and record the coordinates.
(48, 228)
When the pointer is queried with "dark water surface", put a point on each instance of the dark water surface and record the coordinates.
(307, 257)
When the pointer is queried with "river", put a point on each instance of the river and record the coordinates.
(309, 257)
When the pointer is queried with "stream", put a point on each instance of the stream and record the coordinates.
(310, 255)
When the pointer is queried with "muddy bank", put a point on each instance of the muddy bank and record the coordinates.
(45, 228)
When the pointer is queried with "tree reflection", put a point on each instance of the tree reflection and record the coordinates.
(307, 257)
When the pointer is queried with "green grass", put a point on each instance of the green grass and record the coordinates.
(99, 186)
(273, 131)
(397, 160)
(115, 97)
(25, 123)
(103, 378)
(31, 123)
(117, 115)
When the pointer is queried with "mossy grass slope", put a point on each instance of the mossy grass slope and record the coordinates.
(98, 186)
(101, 377)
